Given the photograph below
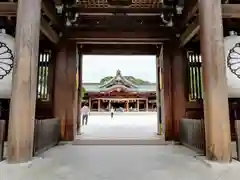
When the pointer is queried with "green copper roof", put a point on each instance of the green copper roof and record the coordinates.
(94, 87)
(119, 81)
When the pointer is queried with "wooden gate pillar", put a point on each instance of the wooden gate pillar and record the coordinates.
(166, 76)
(80, 88)
(216, 112)
(179, 72)
(24, 88)
(158, 101)
(65, 90)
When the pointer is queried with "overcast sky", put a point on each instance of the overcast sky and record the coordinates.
(96, 67)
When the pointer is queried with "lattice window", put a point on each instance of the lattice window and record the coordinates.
(195, 80)
(43, 75)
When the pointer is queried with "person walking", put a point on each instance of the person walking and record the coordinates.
(112, 112)
(85, 113)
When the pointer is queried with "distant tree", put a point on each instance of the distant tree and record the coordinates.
(105, 79)
(83, 92)
(136, 81)
(132, 79)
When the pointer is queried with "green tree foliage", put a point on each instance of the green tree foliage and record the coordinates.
(136, 81)
(105, 79)
(83, 92)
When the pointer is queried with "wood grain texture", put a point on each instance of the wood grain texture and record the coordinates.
(167, 88)
(216, 112)
(158, 102)
(65, 90)
(22, 109)
(179, 71)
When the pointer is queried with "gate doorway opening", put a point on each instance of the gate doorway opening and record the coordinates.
(126, 84)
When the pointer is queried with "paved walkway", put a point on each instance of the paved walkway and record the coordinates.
(74, 162)
(123, 125)
(70, 162)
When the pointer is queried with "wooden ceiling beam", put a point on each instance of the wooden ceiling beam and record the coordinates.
(50, 11)
(148, 27)
(228, 11)
(231, 10)
(119, 49)
(189, 33)
(190, 11)
(119, 10)
(47, 30)
(118, 36)
(10, 8)
(58, 2)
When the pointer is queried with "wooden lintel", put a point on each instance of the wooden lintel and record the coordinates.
(118, 49)
(10, 9)
(120, 10)
(114, 41)
(231, 10)
(58, 2)
(47, 30)
(189, 33)
(118, 35)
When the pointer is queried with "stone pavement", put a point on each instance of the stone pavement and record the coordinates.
(123, 125)
(96, 162)
(68, 162)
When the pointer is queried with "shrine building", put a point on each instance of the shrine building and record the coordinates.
(122, 94)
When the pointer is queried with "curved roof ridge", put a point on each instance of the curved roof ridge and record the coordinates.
(118, 74)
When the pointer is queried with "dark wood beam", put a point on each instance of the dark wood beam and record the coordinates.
(50, 11)
(114, 41)
(231, 10)
(119, 10)
(58, 2)
(10, 9)
(189, 33)
(119, 49)
(47, 30)
(190, 11)
(119, 36)
(167, 93)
